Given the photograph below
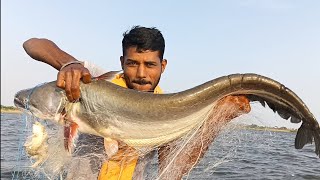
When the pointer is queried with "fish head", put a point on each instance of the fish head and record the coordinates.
(45, 101)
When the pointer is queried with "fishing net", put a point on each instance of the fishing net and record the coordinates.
(173, 160)
(48, 160)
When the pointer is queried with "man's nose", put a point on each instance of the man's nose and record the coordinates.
(141, 71)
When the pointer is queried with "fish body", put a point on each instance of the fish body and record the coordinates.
(142, 119)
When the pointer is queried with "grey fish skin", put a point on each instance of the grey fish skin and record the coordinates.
(144, 119)
(44, 101)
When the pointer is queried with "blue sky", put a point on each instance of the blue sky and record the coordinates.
(204, 39)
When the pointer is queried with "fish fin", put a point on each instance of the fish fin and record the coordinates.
(284, 112)
(272, 106)
(253, 98)
(303, 137)
(111, 146)
(70, 132)
(108, 76)
(307, 135)
(317, 141)
(295, 119)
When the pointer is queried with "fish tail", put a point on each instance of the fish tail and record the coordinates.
(307, 135)
(317, 141)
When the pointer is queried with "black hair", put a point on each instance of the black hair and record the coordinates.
(144, 39)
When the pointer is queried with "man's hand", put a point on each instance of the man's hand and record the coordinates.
(241, 103)
(69, 79)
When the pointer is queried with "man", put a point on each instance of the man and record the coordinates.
(142, 63)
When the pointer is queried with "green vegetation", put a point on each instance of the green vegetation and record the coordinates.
(264, 128)
(9, 109)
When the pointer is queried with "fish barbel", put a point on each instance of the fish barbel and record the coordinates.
(142, 119)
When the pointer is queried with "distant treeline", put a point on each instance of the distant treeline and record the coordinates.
(8, 107)
(254, 126)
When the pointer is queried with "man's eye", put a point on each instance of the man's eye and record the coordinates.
(131, 63)
(150, 64)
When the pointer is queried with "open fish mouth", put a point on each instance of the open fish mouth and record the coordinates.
(17, 102)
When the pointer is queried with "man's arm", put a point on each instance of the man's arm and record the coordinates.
(48, 52)
(69, 77)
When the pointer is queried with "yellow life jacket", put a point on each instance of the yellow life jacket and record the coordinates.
(121, 165)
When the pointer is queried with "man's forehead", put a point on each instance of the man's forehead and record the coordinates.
(146, 55)
(144, 60)
(140, 51)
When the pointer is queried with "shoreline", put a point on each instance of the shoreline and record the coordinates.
(10, 110)
(7, 111)
(271, 129)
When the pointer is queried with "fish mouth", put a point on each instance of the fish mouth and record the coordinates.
(17, 102)
(23, 106)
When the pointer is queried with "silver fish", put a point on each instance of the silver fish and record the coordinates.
(142, 119)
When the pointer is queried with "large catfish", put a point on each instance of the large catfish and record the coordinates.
(142, 119)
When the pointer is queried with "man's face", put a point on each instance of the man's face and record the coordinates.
(142, 70)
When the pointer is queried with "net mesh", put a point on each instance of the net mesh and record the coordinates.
(173, 160)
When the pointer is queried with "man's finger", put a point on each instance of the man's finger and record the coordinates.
(75, 86)
(68, 82)
(86, 76)
(60, 80)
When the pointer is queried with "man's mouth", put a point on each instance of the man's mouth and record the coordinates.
(142, 85)
(142, 82)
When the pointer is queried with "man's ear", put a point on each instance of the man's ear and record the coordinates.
(163, 65)
(122, 61)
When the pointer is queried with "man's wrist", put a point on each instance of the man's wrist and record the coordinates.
(69, 63)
